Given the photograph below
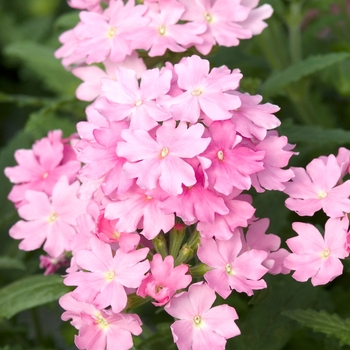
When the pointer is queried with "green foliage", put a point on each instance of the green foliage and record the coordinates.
(7, 262)
(40, 59)
(321, 321)
(30, 292)
(299, 70)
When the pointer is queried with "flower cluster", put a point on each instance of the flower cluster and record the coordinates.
(112, 35)
(152, 192)
(320, 186)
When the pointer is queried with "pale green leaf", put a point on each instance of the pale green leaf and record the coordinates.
(10, 263)
(300, 70)
(30, 292)
(321, 321)
(67, 20)
(40, 59)
(315, 135)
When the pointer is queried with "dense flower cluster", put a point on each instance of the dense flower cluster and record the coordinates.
(149, 193)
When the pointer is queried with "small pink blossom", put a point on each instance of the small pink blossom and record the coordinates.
(317, 257)
(199, 326)
(106, 274)
(164, 280)
(316, 188)
(228, 269)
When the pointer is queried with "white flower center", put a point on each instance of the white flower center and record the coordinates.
(111, 32)
(197, 92)
(45, 175)
(322, 194)
(208, 17)
(229, 269)
(197, 320)
(326, 253)
(109, 276)
(138, 103)
(101, 321)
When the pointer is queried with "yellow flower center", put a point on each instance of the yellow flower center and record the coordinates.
(197, 320)
(197, 92)
(111, 32)
(162, 29)
(229, 269)
(220, 155)
(208, 17)
(52, 217)
(109, 276)
(326, 253)
(101, 321)
(322, 194)
(165, 152)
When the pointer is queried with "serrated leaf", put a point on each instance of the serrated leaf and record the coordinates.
(40, 59)
(300, 70)
(321, 321)
(315, 135)
(30, 292)
(11, 263)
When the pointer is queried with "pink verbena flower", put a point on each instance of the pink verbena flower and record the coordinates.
(230, 270)
(162, 160)
(199, 326)
(124, 99)
(316, 188)
(164, 280)
(50, 220)
(99, 329)
(107, 274)
(204, 91)
(317, 257)
(232, 164)
(40, 168)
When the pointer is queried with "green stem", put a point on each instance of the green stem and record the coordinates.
(294, 23)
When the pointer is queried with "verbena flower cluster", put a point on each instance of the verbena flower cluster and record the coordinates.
(147, 201)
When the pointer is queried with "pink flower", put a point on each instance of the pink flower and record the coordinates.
(222, 19)
(39, 169)
(140, 209)
(161, 160)
(107, 274)
(52, 221)
(230, 270)
(164, 280)
(316, 188)
(99, 329)
(232, 164)
(199, 326)
(204, 91)
(316, 257)
(126, 100)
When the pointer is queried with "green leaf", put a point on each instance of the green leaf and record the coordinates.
(315, 135)
(30, 292)
(11, 263)
(264, 327)
(321, 321)
(40, 59)
(299, 70)
(67, 20)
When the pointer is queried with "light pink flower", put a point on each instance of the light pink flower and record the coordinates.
(106, 274)
(204, 91)
(316, 257)
(164, 280)
(232, 164)
(199, 326)
(162, 160)
(124, 99)
(40, 168)
(230, 270)
(99, 329)
(52, 221)
(316, 188)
